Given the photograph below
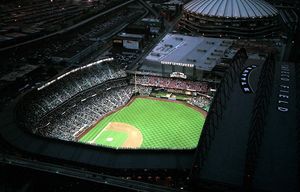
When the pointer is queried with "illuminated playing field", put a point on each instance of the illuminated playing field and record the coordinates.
(149, 124)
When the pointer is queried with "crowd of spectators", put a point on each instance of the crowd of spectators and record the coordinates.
(143, 90)
(70, 121)
(200, 101)
(74, 120)
(170, 83)
(62, 90)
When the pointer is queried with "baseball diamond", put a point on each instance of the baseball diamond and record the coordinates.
(148, 123)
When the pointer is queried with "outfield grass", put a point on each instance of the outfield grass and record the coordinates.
(164, 125)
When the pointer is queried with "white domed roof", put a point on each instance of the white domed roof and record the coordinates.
(231, 8)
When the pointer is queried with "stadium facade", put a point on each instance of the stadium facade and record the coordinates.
(230, 18)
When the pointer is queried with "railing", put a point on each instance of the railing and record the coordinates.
(258, 118)
(216, 110)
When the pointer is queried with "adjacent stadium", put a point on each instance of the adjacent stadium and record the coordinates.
(226, 18)
(149, 123)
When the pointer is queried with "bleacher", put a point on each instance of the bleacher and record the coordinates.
(47, 99)
(170, 83)
(76, 119)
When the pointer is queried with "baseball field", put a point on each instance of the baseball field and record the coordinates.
(148, 123)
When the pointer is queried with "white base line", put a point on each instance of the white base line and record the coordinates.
(79, 130)
(93, 141)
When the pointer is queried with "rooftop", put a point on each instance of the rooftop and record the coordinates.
(231, 8)
(202, 52)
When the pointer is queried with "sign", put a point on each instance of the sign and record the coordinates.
(284, 88)
(244, 79)
(178, 75)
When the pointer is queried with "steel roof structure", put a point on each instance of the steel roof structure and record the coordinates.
(231, 8)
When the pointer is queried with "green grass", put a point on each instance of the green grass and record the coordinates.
(164, 125)
(117, 137)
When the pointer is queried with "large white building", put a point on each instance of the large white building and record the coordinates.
(192, 56)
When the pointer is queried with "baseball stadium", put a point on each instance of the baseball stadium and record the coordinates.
(127, 112)
(158, 96)
(134, 125)
(143, 126)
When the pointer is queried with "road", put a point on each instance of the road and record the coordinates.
(67, 29)
(106, 38)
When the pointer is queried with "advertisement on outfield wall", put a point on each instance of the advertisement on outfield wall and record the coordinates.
(129, 44)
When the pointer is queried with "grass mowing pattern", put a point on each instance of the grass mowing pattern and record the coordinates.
(117, 138)
(164, 125)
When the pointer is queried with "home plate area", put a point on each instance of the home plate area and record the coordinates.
(119, 135)
(109, 139)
